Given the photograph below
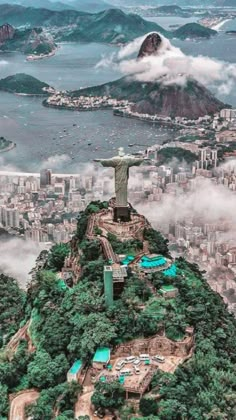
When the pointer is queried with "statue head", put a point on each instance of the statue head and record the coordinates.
(121, 152)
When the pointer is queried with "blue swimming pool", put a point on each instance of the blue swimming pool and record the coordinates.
(171, 271)
(152, 262)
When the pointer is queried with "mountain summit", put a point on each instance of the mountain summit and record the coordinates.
(150, 45)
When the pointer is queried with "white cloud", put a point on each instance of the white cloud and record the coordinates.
(56, 162)
(207, 201)
(17, 258)
(3, 63)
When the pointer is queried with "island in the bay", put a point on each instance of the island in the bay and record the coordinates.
(6, 145)
(112, 325)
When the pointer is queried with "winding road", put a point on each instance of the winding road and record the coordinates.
(19, 403)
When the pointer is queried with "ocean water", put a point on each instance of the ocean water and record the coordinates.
(61, 139)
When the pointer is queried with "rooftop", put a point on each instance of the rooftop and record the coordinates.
(102, 355)
(76, 367)
(167, 288)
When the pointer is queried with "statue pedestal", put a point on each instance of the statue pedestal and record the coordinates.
(122, 214)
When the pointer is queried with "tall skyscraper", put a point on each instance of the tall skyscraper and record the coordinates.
(45, 177)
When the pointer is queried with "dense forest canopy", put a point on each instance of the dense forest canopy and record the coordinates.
(67, 323)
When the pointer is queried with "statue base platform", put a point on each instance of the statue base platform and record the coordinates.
(122, 214)
(133, 229)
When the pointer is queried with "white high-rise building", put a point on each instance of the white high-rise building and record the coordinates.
(10, 217)
(228, 114)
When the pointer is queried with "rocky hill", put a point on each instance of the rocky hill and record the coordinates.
(28, 41)
(87, 25)
(151, 45)
(193, 30)
(18, 15)
(7, 33)
(23, 84)
(88, 5)
(192, 100)
(112, 26)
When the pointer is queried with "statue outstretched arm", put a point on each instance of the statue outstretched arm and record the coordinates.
(136, 161)
(106, 162)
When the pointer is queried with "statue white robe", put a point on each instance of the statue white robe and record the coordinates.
(121, 164)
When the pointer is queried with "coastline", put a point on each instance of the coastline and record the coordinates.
(78, 109)
(41, 56)
(40, 95)
(162, 123)
(214, 23)
(8, 148)
(118, 113)
(220, 24)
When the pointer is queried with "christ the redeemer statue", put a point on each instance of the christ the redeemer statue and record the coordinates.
(121, 164)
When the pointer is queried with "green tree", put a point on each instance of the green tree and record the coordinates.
(47, 290)
(84, 299)
(91, 250)
(81, 226)
(157, 243)
(124, 318)
(108, 395)
(67, 415)
(44, 371)
(90, 331)
(57, 256)
(93, 271)
(11, 306)
(172, 409)
(43, 408)
(168, 153)
(55, 331)
(148, 406)
(69, 397)
(4, 405)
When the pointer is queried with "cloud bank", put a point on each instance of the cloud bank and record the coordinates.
(208, 201)
(170, 65)
(56, 162)
(17, 258)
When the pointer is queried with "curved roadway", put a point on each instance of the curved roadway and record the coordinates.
(19, 403)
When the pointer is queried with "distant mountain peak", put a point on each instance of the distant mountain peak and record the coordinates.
(150, 45)
(7, 32)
